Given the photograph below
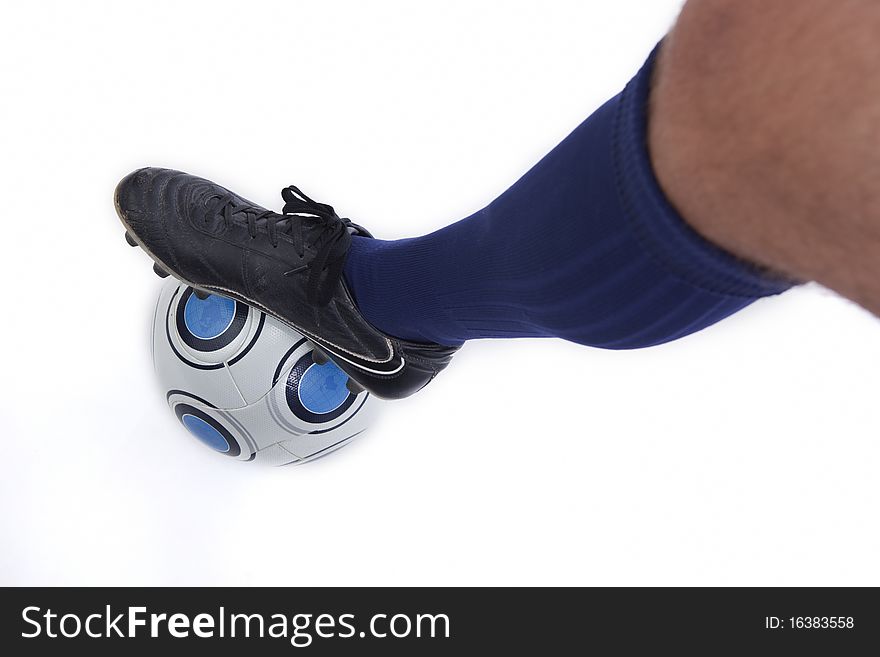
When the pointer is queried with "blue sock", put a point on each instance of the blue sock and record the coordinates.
(584, 247)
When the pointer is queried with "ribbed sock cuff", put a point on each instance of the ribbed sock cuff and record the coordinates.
(656, 224)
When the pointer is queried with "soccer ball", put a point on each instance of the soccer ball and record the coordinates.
(249, 386)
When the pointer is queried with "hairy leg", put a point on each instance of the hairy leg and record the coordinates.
(764, 133)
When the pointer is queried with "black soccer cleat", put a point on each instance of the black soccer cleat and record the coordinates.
(288, 265)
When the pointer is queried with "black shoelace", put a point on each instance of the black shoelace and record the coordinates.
(331, 245)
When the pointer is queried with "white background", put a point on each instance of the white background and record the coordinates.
(746, 454)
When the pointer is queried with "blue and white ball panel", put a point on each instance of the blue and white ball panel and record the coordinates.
(215, 428)
(208, 319)
(313, 401)
(312, 405)
(231, 433)
(205, 333)
(210, 431)
(319, 389)
(317, 394)
(329, 401)
(254, 374)
(179, 366)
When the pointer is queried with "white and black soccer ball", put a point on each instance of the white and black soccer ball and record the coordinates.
(247, 385)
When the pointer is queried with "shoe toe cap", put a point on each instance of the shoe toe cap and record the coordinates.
(133, 192)
(129, 191)
(143, 203)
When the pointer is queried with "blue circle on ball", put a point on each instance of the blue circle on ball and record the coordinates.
(205, 432)
(210, 317)
(322, 388)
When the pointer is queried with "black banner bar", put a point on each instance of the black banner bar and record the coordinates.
(420, 621)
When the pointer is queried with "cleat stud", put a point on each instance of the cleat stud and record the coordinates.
(319, 357)
(353, 387)
(130, 239)
(201, 295)
(161, 273)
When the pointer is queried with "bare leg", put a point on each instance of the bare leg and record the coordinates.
(765, 134)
